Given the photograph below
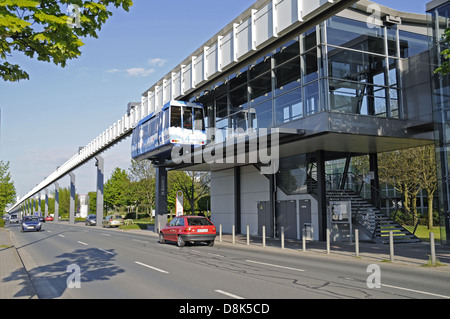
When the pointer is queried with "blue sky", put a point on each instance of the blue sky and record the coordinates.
(45, 120)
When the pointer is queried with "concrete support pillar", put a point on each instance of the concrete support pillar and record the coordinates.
(56, 218)
(321, 192)
(72, 199)
(100, 163)
(39, 204)
(161, 198)
(46, 203)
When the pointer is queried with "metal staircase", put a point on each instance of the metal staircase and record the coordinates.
(374, 222)
(371, 220)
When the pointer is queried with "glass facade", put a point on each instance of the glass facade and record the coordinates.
(341, 65)
(439, 21)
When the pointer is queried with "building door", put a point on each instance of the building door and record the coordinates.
(265, 219)
(286, 213)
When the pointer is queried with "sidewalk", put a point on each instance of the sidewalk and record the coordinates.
(14, 280)
(416, 254)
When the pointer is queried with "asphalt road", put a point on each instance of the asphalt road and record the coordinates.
(74, 261)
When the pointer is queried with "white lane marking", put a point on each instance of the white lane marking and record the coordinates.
(62, 236)
(80, 242)
(105, 251)
(106, 235)
(154, 268)
(271, 265)
(141, 241)
(228, 294)
(416, 291)
(216, 255)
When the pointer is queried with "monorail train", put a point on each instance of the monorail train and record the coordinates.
(177, 123)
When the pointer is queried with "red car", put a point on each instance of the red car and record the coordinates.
(185, 229)
(49, 218)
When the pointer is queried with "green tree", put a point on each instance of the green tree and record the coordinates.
(117, 190)
(51, 30)
(142, 176)
(7, 189)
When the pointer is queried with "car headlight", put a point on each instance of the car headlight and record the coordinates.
(39, 225)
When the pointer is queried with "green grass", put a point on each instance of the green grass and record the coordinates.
(138, 224)
(423, 233)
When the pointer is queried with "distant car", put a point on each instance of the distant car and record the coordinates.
(14, 220)
(49, 218)
(91, 220)
(31, 223)
(112, 221)
(185, 229)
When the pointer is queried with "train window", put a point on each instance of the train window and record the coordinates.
(199, 123)
(175, 117)
(166, 119)
(187, 118)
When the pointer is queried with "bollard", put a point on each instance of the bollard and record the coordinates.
(264, 236)
(220, 233)
(304, 242)
(282, 237)
(248, 235)
(328, 241)
(391, 245)
(433, 249)
(233, 235)
(357, 242)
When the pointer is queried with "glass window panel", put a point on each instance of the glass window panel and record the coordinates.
(348, 97)
(354, 34)
(311, 66)
(261, 88)
(175, 116)
(357, 66)
(412, 44)
(379, 96)
(239, 122)
(262, 115)
(222, 107)
(288, 107)
(286, 52)
(287, 76)
(187, 118)
(238, 99)
(394, 103)
(312, 98)
(260, 66)
(238, 79)
(309, 39)
(393, 72)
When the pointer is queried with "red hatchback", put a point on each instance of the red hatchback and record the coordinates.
(185, 229)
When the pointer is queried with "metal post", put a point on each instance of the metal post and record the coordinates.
(391, 245)
(46, 203)
(304, 242)
(282, 237)
(328, 240)
(100, 163)
(233, 234)
(264, 236)
(220, 233)
(357, 242)
(433, 249)
(248, 235)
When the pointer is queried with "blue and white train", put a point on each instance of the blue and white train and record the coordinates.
(178, 123)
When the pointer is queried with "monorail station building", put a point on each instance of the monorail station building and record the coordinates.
(288, 89)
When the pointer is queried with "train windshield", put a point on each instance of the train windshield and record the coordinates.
(187, 118)
(176, 117)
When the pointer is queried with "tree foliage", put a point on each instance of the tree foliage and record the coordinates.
(7, 189)
(49, 30)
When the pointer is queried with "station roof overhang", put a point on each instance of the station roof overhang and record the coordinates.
(335, 133)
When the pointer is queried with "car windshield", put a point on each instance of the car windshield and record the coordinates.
(31, 219)
(198, 221)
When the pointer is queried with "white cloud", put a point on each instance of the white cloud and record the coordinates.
(113, 70)
(139, 72)
(157, 62)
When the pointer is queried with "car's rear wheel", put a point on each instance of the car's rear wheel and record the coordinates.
(162, 240)
(180, 242)
(211, 243)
